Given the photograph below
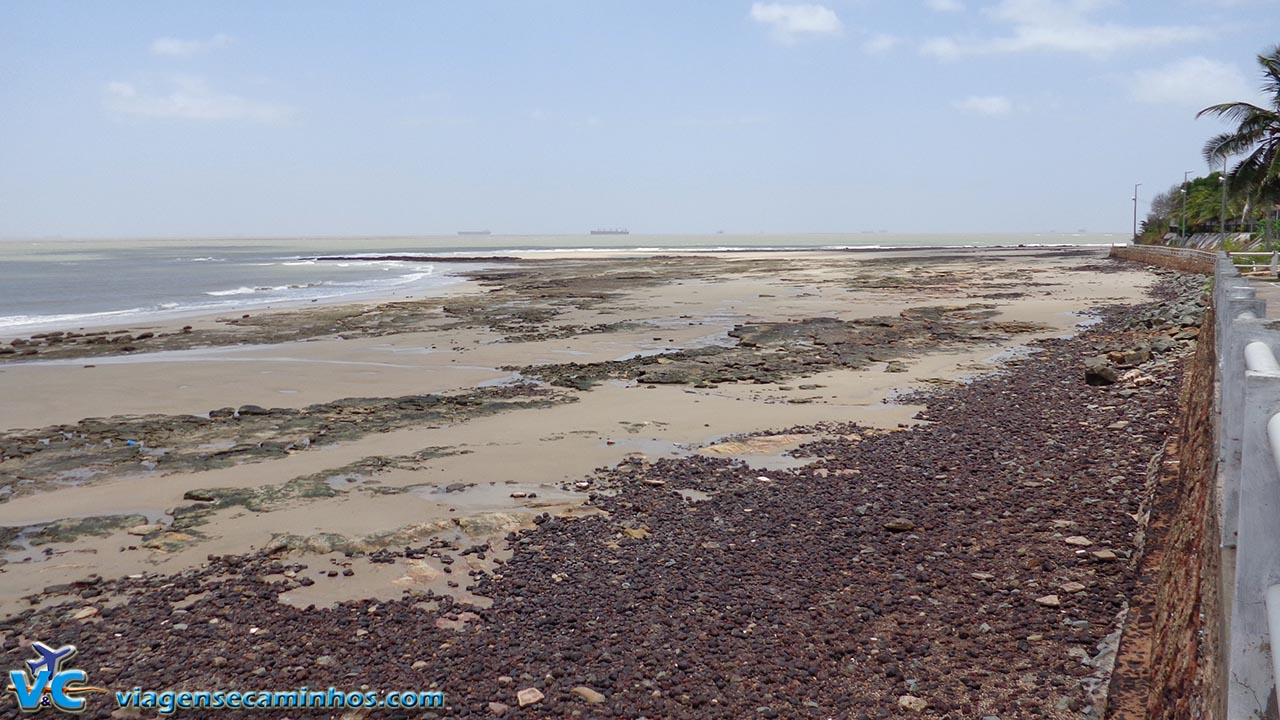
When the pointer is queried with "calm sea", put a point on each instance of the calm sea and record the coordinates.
(64, 284)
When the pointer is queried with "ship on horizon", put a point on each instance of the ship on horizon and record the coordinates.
(611, 231)
(474, 232)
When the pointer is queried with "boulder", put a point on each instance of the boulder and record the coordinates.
(1131, 357)
(529, 696)
(1097, 371)
(143, 530)
(912, 703)
(589, 695)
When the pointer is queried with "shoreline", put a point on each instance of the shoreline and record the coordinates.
(947, 552)
(517, 254)
(664, 357)
(461, 280)
(161, 317)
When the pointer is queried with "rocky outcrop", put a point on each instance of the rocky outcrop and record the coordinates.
(770, 352)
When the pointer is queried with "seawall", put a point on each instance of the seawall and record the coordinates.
(1203, 630)
(1167, 663)
(1181, 259)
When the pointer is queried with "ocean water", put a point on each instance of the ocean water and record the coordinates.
(69, 284)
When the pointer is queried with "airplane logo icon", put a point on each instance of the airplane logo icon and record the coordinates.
(49, 658)
(46, 683)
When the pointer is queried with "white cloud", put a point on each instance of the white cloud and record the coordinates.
(788, 22)
(1195, 82)
(946, 6)
(190, 98)
(989, 105)
(443, 120)
(944, 48)
(721, 121)
(176, 47)
(880, 43)
(1060, 26)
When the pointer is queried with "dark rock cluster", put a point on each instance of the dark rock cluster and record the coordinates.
(96, 342)
(771, 352)
(32, 459)
(1156, 328)
(1181, 302)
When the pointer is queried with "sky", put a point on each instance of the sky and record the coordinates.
(220, 119)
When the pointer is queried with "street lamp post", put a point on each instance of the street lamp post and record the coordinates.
(1222, 219)
(1185, 197)
(1135, 210)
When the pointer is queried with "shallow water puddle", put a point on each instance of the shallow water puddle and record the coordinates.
(694, 495)
(652, 447)
(768, 452)
(496, 497)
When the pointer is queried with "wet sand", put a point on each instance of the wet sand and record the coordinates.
(499, 330)
(969, 553)
(753, 485)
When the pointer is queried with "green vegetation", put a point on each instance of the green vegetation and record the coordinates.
(1256, 178)
(1203, 209)
(1252, 186)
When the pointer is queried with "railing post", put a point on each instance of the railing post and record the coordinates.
(1225, 277)
(1244, 299)
(1240, 348)
(1257, 556)
(1275, 263)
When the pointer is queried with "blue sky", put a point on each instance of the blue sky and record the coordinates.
(324, 118)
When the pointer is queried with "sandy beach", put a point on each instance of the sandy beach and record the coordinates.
(328, 439)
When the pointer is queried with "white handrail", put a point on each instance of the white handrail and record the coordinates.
(1169, 250)
(1259, 358)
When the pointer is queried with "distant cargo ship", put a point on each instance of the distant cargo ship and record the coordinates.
(474, 232)
(611, 231)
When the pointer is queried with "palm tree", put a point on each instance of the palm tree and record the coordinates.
(1256, 178)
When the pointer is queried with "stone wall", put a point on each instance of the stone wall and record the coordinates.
(1168, 661)
(1184, 261)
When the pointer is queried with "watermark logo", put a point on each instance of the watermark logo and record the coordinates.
(47, 683)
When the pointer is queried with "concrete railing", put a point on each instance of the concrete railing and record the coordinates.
(1249, 483)
(1267, 263)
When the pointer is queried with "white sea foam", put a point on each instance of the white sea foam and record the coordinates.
(235, 291)
(234, 300)
(31, 322)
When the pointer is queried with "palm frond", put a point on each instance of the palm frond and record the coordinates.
(1247, 174)
(1225, 145)
(1233, 111)
(1255, 178)
(1271, 76)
